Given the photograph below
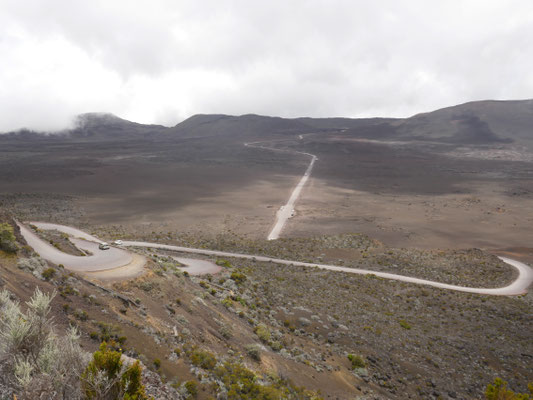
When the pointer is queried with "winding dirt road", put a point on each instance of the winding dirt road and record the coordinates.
(100, 260)
(519, 286)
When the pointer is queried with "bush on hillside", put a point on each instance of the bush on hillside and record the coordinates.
(262, 332)
(238, 277)
(107, 378)
(35, 265)
(356, 361)
(8, 242)
(203, 359)
(37, 363)
(498, 391)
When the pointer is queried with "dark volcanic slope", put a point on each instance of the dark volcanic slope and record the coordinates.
(478, 123)
(481, 122)
(475, 122)
(102, 125)
(251, 125)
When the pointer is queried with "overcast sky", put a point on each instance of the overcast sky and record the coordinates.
(160, 61)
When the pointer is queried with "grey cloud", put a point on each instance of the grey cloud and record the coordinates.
(160, 61)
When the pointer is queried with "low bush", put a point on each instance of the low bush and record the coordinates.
(81, 315)
(38, 362)
(223, 263)
(227, 302)
(48, 273)
(203, 359)
(8, 241)
(253, 351)
(263, 333)
(107, 378)
(357, 361)
(226, 332)
(242, 383)
(404, 324)
(192, 388)
(238, 277)
(498, 391)
(35, 265)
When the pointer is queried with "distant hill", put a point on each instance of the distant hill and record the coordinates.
(109, 125)
(250, 124)
(479, 122)
(475, 122)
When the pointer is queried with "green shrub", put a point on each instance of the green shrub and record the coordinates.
(8, 241)
(498, 391)
(242, 383)
(227, 302)
(276, 346)
(357, 361)
(238, 277)
(253, 351)
(102, 379)
(66, 290)
(263, 333)
(192, 388)
(48, 273)
(203, 359)
(223, 263)
(108, 332)
(81, 315)
(157, 363)
(226, 332)
(404, 324)
(41, 361)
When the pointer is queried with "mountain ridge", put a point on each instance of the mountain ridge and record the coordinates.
(475, 122)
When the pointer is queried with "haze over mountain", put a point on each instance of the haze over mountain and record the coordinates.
(480, 122)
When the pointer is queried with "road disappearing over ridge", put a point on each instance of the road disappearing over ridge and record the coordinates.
(287, 211)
